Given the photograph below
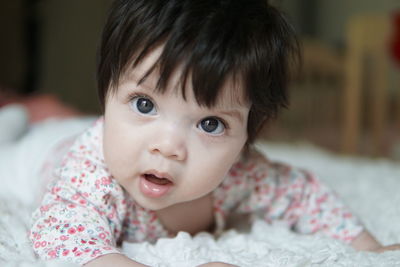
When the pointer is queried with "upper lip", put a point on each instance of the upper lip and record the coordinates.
(159, 174)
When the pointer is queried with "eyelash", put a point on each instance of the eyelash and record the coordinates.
(132, 96)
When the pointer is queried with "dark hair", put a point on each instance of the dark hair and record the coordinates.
(247, 40)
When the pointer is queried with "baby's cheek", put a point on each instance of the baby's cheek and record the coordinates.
(112, 159)
(118, 166)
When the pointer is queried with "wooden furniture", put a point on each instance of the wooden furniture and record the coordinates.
(366, 67)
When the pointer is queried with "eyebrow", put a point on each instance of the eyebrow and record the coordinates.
(233, 113)
(131, 77)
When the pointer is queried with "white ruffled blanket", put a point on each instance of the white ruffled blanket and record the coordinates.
(369, 187)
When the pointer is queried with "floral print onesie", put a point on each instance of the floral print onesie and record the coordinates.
(85, 213)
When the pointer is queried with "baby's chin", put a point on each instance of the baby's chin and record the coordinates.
(154, 204)
(161, 204)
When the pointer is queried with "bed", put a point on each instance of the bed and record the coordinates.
(369, 186)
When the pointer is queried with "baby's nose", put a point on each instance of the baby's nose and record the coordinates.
(169, 144)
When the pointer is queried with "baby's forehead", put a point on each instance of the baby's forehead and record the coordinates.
(231, 94)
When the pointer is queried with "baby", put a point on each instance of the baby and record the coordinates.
(185, 85)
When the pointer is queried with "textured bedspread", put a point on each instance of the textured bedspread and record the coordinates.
(369, 187)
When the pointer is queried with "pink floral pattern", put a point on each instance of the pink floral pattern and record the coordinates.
(85, 213)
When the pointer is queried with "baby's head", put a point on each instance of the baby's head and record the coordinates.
(210, 42)
(185, 85)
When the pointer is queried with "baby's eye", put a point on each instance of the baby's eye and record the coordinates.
(212, 126)
(143, 105)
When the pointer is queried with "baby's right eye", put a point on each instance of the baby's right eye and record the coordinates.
(143, 105)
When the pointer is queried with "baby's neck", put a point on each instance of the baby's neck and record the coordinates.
(192, 217)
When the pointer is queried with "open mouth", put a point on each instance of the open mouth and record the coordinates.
(155, 185)
(156, 180)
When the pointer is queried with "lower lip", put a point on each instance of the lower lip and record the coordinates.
(153, 190)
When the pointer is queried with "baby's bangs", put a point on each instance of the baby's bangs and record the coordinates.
(204, 56)
(206, 75)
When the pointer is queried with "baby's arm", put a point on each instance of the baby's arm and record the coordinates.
(337, 216)
(78, 219)
(297, 198)
(72, 229)
(365, 241)
(82, 213)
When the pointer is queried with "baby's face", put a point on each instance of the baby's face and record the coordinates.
(165, 150)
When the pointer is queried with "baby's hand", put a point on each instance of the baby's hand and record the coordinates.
(217, 264)
(114, 259)
(365, 241)
(387, 248)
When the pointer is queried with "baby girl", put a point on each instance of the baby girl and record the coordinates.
(186, 86)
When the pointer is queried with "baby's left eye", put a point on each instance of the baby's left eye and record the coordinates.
(212, 126)
(143, 105)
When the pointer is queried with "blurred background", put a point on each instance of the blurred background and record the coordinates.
(345, 98)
